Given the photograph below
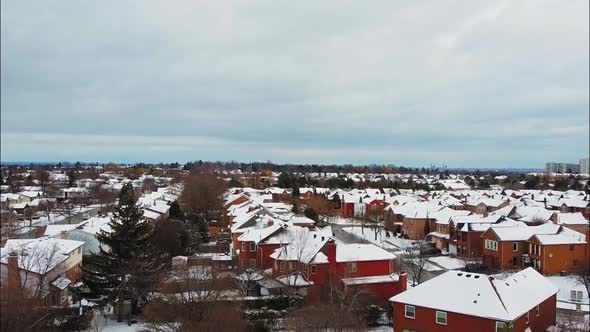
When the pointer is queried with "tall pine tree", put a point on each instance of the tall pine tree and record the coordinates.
(127, 265)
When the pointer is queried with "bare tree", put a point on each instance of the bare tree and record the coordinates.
(582, 275)
(187, 300)
(8, 226)
(414, 260)
(202, 196)
(246, 282)
(43, 177)
(375, 217)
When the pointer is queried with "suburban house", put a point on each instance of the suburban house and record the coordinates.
(575, 221)
(459, 301)
(484, 205)
(511, 248)
(318, 263)
(465, 233)
(43, 267)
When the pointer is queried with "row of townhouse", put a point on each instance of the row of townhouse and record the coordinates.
(550, 249)
(296, 254)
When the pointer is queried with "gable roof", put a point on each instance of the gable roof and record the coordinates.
(356, 252)
(479, 295)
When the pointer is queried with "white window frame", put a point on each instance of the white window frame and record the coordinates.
(252, 247)
(573, 295)
(501, 327)
(580, 295)
(352, 267)
(528, 317)
(436, 317)
(515, 246)
(314, 269)
(538, 310)
(244, 246)
(413, 310)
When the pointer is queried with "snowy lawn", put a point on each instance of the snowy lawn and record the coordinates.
(448, 263)
(428, 266)
(369, 235)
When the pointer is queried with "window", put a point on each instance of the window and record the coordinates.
(571, 247)
(527, 317)
(252, 263)
(252, 247)
(314, 269)
(283, 266)
(276, 265)
(410, 311)
(514, 246)
(291, 266)
(576, 295)
(441, 317)
(352, 267)
(514, 261)
(243, 246)
(538, 310)
(500, 326)
(575, 262)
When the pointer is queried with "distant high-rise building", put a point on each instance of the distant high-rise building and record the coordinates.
(585, 166)
(568, 168)
(551, 167)
(563, 168)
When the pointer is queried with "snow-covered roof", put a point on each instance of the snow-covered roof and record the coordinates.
(563, 236)
(296, 279)
(371, 280)
(39, 255)
(475, 294)
(356, 252)
(566, 285)
(522, 232)
(571, 219)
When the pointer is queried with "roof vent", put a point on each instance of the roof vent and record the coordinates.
(468, 275)
(507, 284)
(459, 274)
(476, 277)
(474, 301)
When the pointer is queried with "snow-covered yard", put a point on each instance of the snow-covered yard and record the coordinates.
(382, 240)
(448, 263)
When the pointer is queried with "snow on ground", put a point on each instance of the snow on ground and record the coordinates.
(99, 323)
(343, 221)
(388, 243)
(369, 234)
(380, 329)
(448, 263)
(428, 266)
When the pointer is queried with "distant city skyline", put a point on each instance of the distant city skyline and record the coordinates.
(473, 84)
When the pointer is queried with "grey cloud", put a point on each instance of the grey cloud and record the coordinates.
(340, 81)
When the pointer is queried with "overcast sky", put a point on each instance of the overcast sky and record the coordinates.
(460, 83)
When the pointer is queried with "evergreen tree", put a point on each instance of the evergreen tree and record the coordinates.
(337, 201)
(126, 266)
(72, 178)
(175, 211)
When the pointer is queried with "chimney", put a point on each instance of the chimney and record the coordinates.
(331, 252)
(403, 281)
(63, 235)
(13, 272)
(270, 223)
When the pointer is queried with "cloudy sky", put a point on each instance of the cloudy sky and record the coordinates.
(460, 83)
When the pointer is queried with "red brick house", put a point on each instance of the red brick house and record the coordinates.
(465, 233)
(325, 264)
(465, 302)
